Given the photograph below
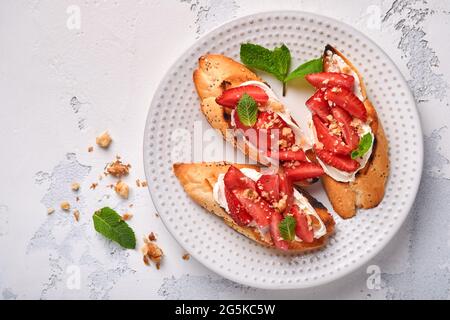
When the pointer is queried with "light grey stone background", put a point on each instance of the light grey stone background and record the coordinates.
(61, 86)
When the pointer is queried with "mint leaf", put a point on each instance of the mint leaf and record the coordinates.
(287, 228)
(247, 110)
(110, 224)
(364, 145)
(282, 59)
(276, 62)
(311, 66)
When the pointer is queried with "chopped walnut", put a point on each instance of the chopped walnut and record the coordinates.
(143, 183)
(76, 215)
(65, 206)
(93, 185)
(75, 186)
(50, 210)
(152, 236)
(127, 216)
(103, 140)
(281, 204)
(250, 194)
(90, 149)
(186, 256)
(151, 251)
(118, 169)
(122, 189)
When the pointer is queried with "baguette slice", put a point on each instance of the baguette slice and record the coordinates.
(215, 74)
(368, 189)
(198, 180)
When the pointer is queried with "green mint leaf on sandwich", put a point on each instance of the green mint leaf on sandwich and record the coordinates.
(364, 145)
(311, 66)
(277, 62)
(287, 228)
(247, 110)
(110, 224)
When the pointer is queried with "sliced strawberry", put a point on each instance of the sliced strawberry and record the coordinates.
(330, 142)
(330, 79)
(235, 179)
(303, 171)
(348, 101)
(229, 98)
(303, 230)
(268, 187)
(259, 209)
(318, 105)
(237, 211)
(351, 138)
(341, 162)
(286, 189)
(288, 155)
(275, 234)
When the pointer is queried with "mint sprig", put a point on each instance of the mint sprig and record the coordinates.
(276, 62)
(247, 110)
(311, 66)
(364, 145)
(287, 228)
(110, 224)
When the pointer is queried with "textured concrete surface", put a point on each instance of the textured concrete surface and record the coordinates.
(62, 85)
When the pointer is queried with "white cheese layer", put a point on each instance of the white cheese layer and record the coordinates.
(300, 200)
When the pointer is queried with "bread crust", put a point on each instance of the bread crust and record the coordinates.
(198, 180)
(367, 191)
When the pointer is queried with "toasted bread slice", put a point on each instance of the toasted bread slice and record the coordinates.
(368, 189)
(198, 180)
(215, 74)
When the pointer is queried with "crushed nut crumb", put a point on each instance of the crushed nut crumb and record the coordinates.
(65, 206)
(90, 149)
(122, 189)
(50, 210)
(151, 236)
(153, 252)
(138, 182)
(75, 186)
(143, 183)
(118, 169)
(76, 215)
(103, 140)
(186, 256)
(93, 185)
(127, 216)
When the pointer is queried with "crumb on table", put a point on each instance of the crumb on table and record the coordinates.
(103, 140)
(122, 189)
(65, 206)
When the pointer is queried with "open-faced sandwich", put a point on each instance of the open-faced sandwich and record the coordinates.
(349, 141)
(246, 111)
(264, 207)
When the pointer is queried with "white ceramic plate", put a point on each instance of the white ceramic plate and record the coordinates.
(174, 116)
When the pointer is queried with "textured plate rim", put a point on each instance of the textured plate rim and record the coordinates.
(407, 206)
